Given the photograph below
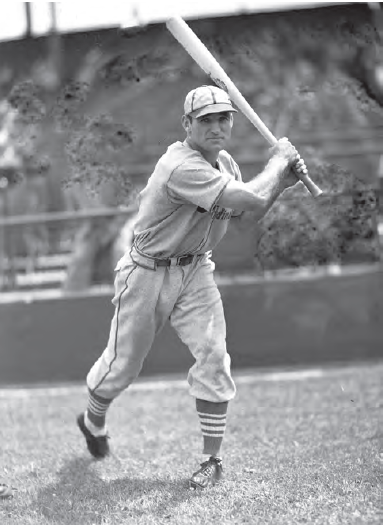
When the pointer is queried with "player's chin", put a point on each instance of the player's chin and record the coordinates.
(215, 144)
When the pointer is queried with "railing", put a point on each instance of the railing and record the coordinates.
(35, 250)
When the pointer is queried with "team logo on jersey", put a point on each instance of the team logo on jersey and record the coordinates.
(221, 214)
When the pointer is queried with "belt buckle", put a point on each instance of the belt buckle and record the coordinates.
(184, 260)
(163, 262)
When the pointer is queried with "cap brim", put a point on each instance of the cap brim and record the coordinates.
(213, 108)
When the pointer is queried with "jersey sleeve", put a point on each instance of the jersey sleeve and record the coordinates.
(196, 183)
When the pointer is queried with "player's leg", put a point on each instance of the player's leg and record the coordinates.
(198, 318)
(140, 312)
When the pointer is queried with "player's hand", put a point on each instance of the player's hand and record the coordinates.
(300, 166)
(285, 150)
(293, 175)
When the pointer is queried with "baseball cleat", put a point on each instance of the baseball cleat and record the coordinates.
(210, 473)
(97, 445)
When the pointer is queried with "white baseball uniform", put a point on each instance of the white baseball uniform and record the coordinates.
(168, 274)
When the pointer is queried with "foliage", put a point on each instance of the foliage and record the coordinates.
(21, 115)
(339, 227)
(94, 146)
(321, 74)
(96, 153)
(285, 61)
(303, 71)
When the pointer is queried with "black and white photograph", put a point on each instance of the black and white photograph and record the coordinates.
(191, 235)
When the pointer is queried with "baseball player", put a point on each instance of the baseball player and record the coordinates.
(167, 273)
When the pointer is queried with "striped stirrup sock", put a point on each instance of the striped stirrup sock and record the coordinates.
(213, 419)
(97, 409)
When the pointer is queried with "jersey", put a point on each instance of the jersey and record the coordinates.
(178, 215)
(178, 211)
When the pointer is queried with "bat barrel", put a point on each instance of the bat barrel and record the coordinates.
(204, 58)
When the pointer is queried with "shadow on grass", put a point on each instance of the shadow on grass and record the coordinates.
(81, 497)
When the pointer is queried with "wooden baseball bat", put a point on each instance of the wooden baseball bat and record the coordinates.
(203, 57)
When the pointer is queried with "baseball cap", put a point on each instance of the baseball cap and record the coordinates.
(207, 99)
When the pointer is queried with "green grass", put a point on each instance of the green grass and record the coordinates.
(303, 451)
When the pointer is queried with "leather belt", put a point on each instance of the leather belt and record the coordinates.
(177, 261)
(152, 263)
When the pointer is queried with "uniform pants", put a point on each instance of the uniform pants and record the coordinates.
(144, 300)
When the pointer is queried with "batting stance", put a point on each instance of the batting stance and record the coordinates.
(167, 273)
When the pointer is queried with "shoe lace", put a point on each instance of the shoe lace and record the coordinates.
(209, 466)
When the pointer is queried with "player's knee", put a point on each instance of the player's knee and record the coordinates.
(219, 359)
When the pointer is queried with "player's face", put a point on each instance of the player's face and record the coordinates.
(210, 133)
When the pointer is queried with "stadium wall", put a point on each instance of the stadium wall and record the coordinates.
(55, 337)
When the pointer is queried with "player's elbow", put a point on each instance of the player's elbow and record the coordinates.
(238, 197)
(255, 203)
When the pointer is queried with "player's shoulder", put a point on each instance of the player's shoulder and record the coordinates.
(228, 162)
(224, 156)
(178, 153)
(182, 157)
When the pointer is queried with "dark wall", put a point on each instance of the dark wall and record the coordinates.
(285, 322)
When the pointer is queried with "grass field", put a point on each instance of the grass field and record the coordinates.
(299, 449)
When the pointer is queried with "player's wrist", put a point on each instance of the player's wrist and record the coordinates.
(280, 167)
(279, 161)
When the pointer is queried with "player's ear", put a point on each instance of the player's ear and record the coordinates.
(186, 122)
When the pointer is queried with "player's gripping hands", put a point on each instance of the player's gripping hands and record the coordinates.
(285, 150)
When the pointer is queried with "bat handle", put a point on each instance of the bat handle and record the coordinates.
(308, 183)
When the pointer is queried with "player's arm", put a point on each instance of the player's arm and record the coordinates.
(260, 193)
